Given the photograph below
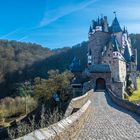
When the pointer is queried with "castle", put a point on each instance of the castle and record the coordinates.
(111, 60)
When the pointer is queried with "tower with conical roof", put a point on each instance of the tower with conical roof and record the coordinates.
(116, 30)
(110, 56)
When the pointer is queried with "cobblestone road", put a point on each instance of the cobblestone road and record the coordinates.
(109, 121)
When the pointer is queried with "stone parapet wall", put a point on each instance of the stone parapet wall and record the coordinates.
(124, 103)
(77, 103)
(66, 129)
(69, 127)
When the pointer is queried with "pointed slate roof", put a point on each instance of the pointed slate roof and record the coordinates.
(100, 68)
(75, 65)
(115, 26)
(90, 30)
(127, 54)
(115, 42)
(94, 24)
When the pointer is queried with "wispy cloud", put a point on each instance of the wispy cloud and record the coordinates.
(54, 15)
(9, 34)
(23, 38)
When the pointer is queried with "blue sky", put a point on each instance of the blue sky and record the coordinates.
(61, 23)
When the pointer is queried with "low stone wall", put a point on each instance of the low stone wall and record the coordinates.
(77, 103)
(66, 129)
(69, 127)
(124, 103)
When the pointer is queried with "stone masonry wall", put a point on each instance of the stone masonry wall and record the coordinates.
(124, 103)
(118, 88)
(106, 76)
(96, 44)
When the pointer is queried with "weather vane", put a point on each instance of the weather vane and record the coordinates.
(114, 13)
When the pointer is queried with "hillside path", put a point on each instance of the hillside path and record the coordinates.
(108, 121)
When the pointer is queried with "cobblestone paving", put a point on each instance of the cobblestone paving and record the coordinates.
(109, 121)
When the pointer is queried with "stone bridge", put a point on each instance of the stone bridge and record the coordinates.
(109, 121)
(98, 118)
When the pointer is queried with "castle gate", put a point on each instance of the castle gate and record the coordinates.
(100, 84)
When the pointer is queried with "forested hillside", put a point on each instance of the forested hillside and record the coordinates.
(25, 61)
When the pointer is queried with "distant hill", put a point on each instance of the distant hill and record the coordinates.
(24, 61)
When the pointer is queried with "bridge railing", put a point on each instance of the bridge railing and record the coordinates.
(124, 103)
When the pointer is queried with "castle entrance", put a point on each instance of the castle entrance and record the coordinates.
(100, 84)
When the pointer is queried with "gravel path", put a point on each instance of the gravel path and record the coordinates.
(109, 121)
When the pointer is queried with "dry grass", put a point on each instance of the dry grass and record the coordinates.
(47, 118)
(11, 109)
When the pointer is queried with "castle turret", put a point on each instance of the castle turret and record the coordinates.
(90, 32)
(105, 24)
(116, 48)
(127, 54)
(99, 25)
(115, 28)
(124, 40)
(119, 65)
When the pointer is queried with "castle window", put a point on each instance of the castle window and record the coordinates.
(90, 51)
(109, 62)
(109, 55)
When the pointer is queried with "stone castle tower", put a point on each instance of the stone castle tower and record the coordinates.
(111, 57)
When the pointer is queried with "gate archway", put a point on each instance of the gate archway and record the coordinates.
(100, 84)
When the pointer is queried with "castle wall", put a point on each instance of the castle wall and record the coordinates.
(107, 57)
(118, 88)
(96, 43)
(132, 70)
(122, 70)
(105, 76)
(118, 68)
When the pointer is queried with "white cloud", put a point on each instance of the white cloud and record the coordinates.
(23, 38)
(54, 15)
(9, 34)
